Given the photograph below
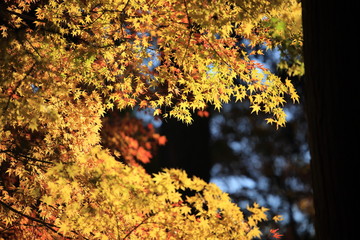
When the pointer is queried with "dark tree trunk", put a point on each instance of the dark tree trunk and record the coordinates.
(187, 147)
(331, 107)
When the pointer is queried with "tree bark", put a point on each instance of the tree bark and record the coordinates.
(333, 125)
(187, 147)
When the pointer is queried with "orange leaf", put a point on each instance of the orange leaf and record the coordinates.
(162, 140)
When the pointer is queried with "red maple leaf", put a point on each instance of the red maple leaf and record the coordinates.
(275, 234)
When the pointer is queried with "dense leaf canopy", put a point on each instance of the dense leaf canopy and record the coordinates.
(65, 64)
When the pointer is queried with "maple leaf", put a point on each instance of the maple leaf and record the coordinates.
(157, 112)
(143, 155)
(255, 108)
(275, 234)
(247, 29)
(278, 218)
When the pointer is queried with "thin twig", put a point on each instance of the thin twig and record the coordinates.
(216, 52)
(27, 157)
(190, 33)
(16, 87)
(137, 226)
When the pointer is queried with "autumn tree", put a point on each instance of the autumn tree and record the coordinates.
(66, 65)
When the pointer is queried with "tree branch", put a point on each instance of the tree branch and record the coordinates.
(25, 17)
(27, 157)
(45, 224)
(16, 87)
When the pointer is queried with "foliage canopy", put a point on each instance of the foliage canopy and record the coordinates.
(66, 64)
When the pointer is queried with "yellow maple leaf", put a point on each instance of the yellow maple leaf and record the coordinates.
(247, 29)
(255, 108)
(157, 112)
